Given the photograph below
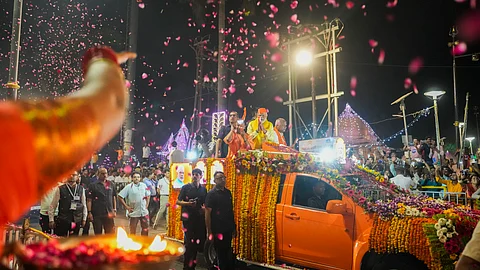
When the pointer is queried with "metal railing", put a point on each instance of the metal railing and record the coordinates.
(443, 194)
(24, 235)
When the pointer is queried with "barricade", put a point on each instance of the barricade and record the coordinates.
(456, 197)
(25, 235)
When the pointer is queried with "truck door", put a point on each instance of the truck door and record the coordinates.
(310, 234)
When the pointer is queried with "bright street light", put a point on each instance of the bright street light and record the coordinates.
(304, 58)
(435, 94)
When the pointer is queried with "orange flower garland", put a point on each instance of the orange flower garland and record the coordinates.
(403, 235)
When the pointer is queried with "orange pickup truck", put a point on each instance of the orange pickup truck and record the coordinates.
(293, 212)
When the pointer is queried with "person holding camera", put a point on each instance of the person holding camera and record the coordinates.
(191, 199)
(204, 144)
(237, 139)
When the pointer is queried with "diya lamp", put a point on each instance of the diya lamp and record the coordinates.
(120, 251)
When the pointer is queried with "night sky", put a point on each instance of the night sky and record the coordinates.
(56, 33)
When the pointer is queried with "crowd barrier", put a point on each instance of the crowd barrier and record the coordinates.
(22, 234)
(440, 192)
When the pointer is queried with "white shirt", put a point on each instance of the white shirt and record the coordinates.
(46, 201)
(403, 182)
(135, 196)
(146, 152)
(164, 186)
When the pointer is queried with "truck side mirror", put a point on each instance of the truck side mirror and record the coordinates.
(336, 207)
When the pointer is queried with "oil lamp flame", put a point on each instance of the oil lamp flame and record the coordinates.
(126, 243)
(158, 245)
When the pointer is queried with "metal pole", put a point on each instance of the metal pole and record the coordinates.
(12, 84)
(437, 124)
(131, 73)
(296, 117)
(402, 107)
(453, 34)
(329, 91)
(200, 89)
(222, 71)
(290, 89)
(335, 88)
(314, 107)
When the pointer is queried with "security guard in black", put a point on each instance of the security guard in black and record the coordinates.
(191, 199)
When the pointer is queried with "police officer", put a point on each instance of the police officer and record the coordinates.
(72, 208)
(191, 199)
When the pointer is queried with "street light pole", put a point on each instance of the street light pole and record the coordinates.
(12, 84)
(453, 33)
(435, 95)
(401, 100)
(402, 107)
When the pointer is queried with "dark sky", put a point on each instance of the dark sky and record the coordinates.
(56, 33)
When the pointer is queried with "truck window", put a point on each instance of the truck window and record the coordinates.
(280, 188)
(312, 192)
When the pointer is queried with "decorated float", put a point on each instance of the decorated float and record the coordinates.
(433, 232)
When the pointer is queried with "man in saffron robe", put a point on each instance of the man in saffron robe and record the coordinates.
(260, 129)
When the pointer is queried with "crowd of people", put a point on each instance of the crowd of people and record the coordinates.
(91, 198)
(425, 167)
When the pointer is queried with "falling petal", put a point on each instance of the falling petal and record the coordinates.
(407, 83)
(353, 82)
(294, 4)
(350, 4)
(392, 4)
(276, 57)
(141, 5)
(232, 89)
(373, 43)
(415, 65)
(294, 18)
(278, 99)
(273, 39)
(460, 49)
(353, 93)
(220, 236)
(415, 89)
(144, 76)
(381, 57)
(239, 103)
